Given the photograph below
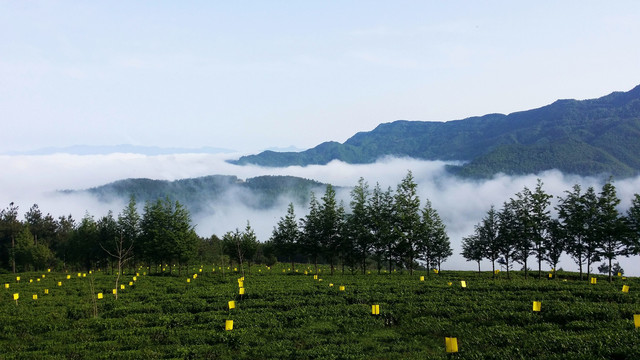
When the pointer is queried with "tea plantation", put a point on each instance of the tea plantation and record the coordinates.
(285, 314)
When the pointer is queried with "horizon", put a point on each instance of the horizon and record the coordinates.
(253, 76)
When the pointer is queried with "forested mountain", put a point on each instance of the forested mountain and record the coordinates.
(258, 192)
(588, 137)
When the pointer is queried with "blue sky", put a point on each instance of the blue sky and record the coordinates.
(255, 74)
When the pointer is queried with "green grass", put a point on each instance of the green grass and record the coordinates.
(292, 316)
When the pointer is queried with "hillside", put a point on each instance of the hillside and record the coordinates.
(587, 137)
(196, 193)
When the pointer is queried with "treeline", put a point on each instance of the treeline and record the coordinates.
(588, 227)
(388, 228)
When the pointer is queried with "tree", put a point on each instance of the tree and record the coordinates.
(359, 222)
(538, 217)
(554, 244)
(488, 231)
(10, 228)
(249, 245)
(311, 226)
(434, 245)
(522, 230)
(167, 233)
(571, 214)
(633, 218)
(380, 209)
(129, 225)
(611, 227)
(592, 241)
(407, 221)
(507, 235)
(472, 248)
(331, 220)
(286, 235)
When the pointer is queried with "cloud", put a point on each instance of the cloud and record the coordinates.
(461, 203)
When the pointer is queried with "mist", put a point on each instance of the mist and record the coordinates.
(461, 203)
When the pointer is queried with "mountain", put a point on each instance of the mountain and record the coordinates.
(587, 137)
(125, 148)
(198, 193)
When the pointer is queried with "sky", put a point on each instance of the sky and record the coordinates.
(252, 75)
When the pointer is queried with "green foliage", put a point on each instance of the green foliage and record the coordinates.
(589, 137)
(290, 315)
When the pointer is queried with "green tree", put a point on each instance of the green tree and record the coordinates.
(380, 208)
(555, 244)
(572, 216)
(633, 217)
(488, 231)
(508, 235)
(611, 227)
(472, 248)
(331, 220)
(286, 236)
(434, 246)
(359, 223)
(408, 222)
(311, 232)
(538, 203)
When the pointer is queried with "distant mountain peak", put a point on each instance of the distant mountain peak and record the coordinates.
(586, 137)
(123, 148)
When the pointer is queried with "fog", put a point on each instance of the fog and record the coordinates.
(461, 203)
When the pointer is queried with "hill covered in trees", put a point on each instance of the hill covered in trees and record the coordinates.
(588, 137)
(259, 192)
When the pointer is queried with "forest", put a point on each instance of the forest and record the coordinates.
(378, 229)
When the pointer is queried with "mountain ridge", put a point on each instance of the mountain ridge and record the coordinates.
(586, 137)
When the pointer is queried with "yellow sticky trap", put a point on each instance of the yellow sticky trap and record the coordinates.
(84, 275)
(283, 270)
(228, 325)
(18, 278)
(114, 291)
(375, 309)
(48, 270)
(35, 297)
(188, 280)
(38, 280)
(30, 280)
(319, 279)
(59, 283)
(449, 283)
(330, 285)
(6, 286)
(496, 271)
(16, 296)
(421, 278)
(135, 278)
(550, 276)
(200, 270)
(46, 291)
(619, 274)
(341, 287)
(195, 276)
(594, 280)
(315, 277)
(241, 291)
(451, 344)
(232, 304)
(235, 269)
(79, 274)
(625, 288)
(99, 295)
(122, 287)
(435, 271)
(130, 283)
(636, 320)
(463, 284)
(68, 277)
(43, 276)
(537, 305)
(306, 272)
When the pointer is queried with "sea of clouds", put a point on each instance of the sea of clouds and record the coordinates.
(461, 203)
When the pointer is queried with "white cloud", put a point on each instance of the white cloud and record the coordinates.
(460, 202)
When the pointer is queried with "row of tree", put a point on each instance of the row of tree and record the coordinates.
(384, 226)
(588, 227)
